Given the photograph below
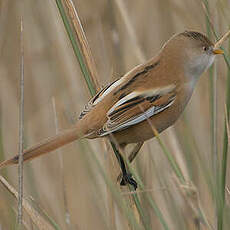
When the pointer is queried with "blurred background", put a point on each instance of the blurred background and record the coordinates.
(68, 184)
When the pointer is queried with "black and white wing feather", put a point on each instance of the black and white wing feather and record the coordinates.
(98, 97)
(137, 107)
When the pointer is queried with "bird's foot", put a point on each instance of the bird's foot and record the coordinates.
(128, 179)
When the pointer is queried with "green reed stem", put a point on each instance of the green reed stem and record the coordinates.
(76, 49)
(225, 145)
(221, 174)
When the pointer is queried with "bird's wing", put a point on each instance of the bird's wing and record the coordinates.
(137, 107)
(98, 97)
(129, 79)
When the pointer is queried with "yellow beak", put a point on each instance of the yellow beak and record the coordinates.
(218, 51)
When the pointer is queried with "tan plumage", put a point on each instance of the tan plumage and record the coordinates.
(155, 92)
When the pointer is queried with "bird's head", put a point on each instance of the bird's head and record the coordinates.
(193, 50)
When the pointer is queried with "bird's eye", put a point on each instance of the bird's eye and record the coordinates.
(205, 48)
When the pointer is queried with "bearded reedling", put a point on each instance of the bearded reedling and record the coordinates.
(155, 92)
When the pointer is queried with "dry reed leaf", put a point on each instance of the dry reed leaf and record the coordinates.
(222, 39)
(36, 218)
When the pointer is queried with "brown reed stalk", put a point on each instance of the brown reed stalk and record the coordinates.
(36, 218)
(79, 31)
(222, 39)
(21, 129)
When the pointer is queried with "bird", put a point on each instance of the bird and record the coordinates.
(153, 94)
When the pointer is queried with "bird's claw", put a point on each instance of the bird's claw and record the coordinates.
(127, 179)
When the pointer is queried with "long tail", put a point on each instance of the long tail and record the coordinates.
(47, 145)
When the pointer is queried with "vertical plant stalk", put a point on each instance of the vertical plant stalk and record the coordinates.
(225, 147)
(35, 216)
(213, 121)
(67, 213)
(77, 51)
(221, 172)
(21, 129)
(89, 61)
(212, 95)
(177, 170)
(226, 141)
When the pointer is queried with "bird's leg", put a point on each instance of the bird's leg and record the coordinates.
(126, 176)
(135, 151)
(132, 155)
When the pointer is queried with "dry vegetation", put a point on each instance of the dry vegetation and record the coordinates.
(75, 187)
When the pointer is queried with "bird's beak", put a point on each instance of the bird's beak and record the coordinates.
(217, 51)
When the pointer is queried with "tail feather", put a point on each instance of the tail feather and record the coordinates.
(46, 146)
